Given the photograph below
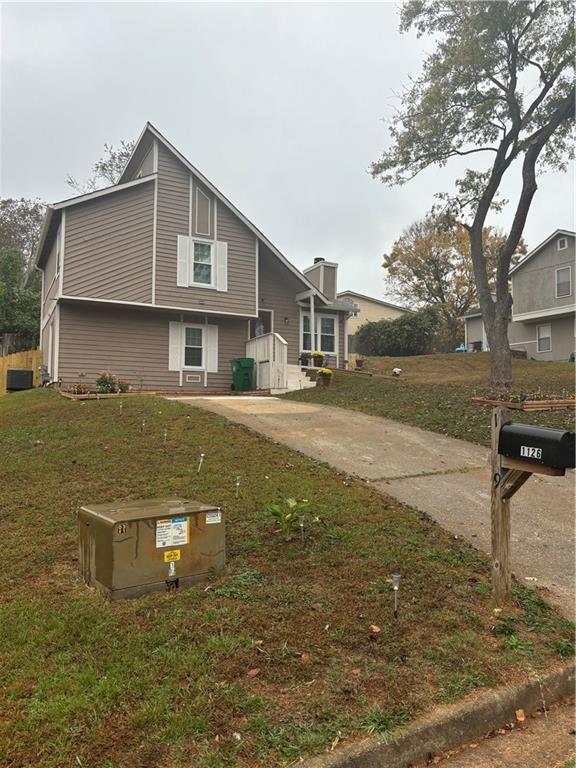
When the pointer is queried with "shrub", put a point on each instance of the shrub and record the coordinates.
(106, 383)
(411, 334)
(78, 389)
(287, 516)
(123, 386)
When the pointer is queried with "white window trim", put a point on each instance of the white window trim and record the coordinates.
(193, 367)
(200, 192)
(191, 283)
(544, 325)
(318, 321)
(562, 240)
(566, 295)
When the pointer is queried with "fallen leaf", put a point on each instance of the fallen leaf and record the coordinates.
(520, 716)
(305, 657)
(375, 629)
(335, 743)
(356, 671)
(258, 642)
(253, 672)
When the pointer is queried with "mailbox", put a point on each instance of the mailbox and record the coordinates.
(537, 445)
(133, 547)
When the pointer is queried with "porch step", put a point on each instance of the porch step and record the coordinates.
(296, 379)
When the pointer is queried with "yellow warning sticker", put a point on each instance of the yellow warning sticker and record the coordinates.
(171, 555)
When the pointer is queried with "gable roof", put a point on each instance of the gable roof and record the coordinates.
(375, 301)
(556, 233)
(150, 129)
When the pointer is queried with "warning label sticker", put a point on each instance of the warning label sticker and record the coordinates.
(213, 517)
(172, 532)
(171, 555)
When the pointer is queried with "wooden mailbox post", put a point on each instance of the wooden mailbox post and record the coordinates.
(508, 475)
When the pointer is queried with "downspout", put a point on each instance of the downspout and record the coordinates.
(205, 339)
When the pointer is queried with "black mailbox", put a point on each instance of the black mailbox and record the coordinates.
(539, 445)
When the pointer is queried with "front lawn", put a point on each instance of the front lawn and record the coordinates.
(434, 391)
(274, 659)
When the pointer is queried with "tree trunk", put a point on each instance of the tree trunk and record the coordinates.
(500, 354)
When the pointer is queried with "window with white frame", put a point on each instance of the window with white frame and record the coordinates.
(327, 334)
(562, 243)
(544, 336)
(201, 263)
(324, 337)
(193, 346)
(563, 282)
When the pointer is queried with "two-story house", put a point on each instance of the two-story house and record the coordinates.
(543, 308)
(161, 280)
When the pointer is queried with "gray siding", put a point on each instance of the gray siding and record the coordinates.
(51, 281)
(173, 220)
(132, 343)
(108, 246)
(329, 282)
(474, 330)
(278, 288)
(534, 285)
(523, 336)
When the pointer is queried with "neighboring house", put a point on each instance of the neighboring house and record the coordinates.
(543, 309)
(367, 309)
(162, 281)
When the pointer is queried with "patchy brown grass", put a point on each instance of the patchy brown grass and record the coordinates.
(163, 680)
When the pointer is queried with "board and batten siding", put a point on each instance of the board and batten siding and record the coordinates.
(108, 246)
(174, 218)
(278, 288)
(133, 343)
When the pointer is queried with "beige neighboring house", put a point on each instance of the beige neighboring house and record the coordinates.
(161, 280)
(543, 308)
(367, 308)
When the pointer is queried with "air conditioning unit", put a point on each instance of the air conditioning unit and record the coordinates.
(128, 548)
(19, 378)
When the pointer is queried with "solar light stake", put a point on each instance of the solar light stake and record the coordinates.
(237, 485)
(143, 424)
(395, 587)
(165, 435)
(120, 407)
(301, 521)
(200, 462)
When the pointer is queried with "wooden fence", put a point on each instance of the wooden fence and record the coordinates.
(30, 359)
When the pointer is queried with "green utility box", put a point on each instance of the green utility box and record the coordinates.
(242, 374)
(133, 547)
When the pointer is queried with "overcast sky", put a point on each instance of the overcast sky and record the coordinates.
(281, 106)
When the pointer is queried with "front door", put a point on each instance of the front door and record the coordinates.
(262, 324)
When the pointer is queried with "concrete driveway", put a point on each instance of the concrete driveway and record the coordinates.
(447, 478)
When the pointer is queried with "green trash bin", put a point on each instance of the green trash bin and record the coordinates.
(242, 374)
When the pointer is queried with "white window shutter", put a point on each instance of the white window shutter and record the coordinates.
(175, 347)
(211, 348)
(183, 261)
(221, 265)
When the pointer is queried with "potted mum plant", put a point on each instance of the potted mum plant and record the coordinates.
(304, 358)
(323, 377)
(318, 358)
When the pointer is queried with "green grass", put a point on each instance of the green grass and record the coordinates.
(163, 680)
(434, 392)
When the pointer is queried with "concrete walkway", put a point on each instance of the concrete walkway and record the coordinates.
(447, 478)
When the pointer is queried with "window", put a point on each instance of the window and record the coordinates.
(544, 336)
(327, 335)
(202, 264)
(193, 347)
(563, 282)
(562, 243)
(324, 338)
(306, 336)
